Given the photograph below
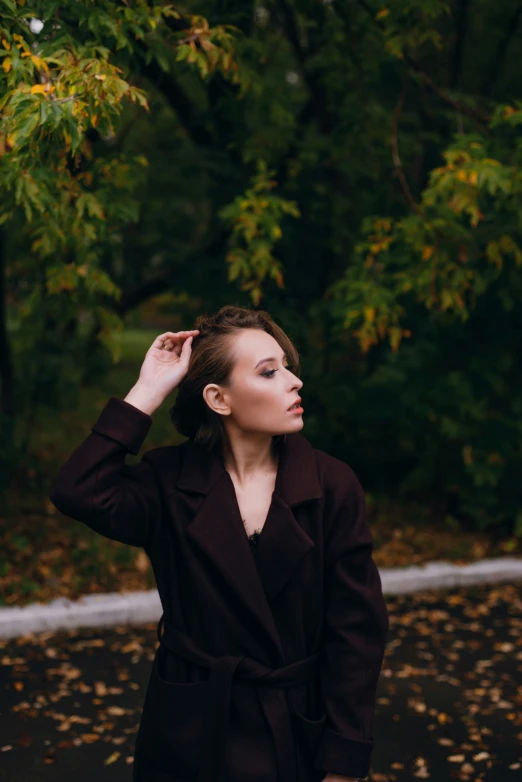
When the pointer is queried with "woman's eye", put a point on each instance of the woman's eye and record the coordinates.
(271, 372)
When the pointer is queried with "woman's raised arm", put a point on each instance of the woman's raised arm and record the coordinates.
(95, 485)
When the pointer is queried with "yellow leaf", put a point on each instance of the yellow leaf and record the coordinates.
(6, 65)
(473, 177)
(427, 252)
(382, 13)
(39, 62)
(89, 738)
(369, 313)
(462, 175)
(22, 44)
(6, 44)
(100, 76)
(112, 758)
(38, 88)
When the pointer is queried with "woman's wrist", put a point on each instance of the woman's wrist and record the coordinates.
(144, 398)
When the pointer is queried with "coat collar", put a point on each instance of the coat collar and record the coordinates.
(297, 477)
(218, 530)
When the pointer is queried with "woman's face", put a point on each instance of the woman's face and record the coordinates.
(261, 387)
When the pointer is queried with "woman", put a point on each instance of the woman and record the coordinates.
(270, 654)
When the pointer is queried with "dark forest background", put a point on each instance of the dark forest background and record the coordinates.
(351, 167)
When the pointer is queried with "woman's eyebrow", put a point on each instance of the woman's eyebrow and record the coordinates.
(264, 360)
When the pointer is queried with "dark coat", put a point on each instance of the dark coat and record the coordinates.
(267, 673)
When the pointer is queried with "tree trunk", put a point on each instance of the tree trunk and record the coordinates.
(7, 404)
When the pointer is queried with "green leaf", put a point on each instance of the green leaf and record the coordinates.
(24, 128)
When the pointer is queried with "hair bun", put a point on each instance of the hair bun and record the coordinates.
(204, 325)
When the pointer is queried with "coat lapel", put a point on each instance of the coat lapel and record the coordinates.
(218, 530)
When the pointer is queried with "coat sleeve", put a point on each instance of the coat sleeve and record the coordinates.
(96, 486)
(355, 630)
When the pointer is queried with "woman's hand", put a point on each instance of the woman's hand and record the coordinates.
(164, 367)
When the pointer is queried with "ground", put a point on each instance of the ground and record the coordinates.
(449, 700)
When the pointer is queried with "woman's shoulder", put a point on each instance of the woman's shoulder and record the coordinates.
(343, 494)
(166, 461)
(336, 475)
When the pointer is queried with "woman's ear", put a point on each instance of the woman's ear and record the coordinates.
(216, 399)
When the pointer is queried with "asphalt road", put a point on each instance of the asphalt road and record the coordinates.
(449, 701)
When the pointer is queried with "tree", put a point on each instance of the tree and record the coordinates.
(353, 168)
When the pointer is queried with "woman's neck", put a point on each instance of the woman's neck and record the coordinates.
(245, 459)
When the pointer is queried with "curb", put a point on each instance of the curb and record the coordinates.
(135, 608)
(445, 575)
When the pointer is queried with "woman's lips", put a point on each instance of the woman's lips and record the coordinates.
(296, 410)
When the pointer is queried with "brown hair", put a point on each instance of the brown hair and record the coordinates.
(211, 361)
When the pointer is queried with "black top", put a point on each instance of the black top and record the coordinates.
(252, 539)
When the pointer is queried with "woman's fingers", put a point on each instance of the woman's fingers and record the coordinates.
(174, 335)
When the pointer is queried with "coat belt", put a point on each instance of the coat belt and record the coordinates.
(268, 682)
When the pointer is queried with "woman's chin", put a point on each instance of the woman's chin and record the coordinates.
(296, 425)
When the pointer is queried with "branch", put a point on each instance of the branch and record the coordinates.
(133, 297)
(172, 91)
(137, 294)
(456, 60)
(469, 111)
(65, 100)
(395, 151)
(188, 40)
(177, 99)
